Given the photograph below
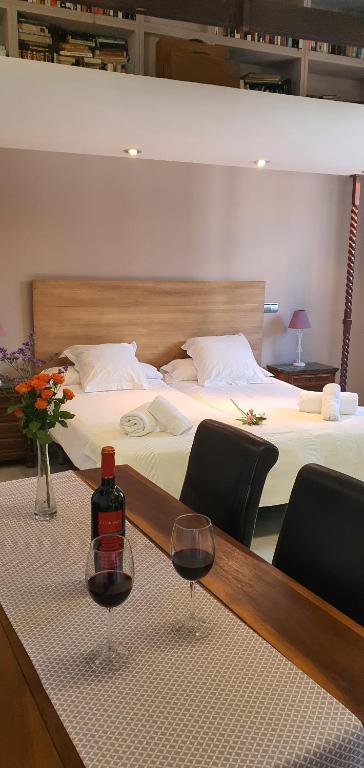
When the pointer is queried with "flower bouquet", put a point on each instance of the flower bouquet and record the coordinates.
(22, 360)
(39, 410)
(249, 417)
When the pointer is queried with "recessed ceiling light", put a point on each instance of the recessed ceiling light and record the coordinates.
(133, 151)
(261, 163)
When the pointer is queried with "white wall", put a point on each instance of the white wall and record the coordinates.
(77, 216)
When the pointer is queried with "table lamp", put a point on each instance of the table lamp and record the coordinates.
(299, 321)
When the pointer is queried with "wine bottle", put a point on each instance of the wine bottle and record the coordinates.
(108, 501)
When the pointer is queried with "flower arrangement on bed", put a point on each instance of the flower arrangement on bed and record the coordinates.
(248, 417)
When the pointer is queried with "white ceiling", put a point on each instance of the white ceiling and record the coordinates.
(69, 109)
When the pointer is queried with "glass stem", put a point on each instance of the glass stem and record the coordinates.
(192, 602)
(109, 629)
(45, 469)
(46, 472)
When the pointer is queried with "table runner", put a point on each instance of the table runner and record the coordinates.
(230, 701)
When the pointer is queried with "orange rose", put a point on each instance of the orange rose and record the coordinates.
(46, 393)
(68, 394)
(58, 378)
(41, 405)
(18, 412)
(40, 380)
(36, 382)
(24, 386)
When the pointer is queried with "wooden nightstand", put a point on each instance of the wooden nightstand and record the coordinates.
(313, 376)
(13, 444)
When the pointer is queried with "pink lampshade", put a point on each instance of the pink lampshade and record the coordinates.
(299, 320)
(2, 330)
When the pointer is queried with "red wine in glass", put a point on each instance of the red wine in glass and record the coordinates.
(192, 564)
(193, 553)
(110, 588)
(109, 581)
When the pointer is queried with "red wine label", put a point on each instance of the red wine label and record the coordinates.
(109, 522)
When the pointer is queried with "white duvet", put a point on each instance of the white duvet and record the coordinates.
(159, 456)
(301, 438)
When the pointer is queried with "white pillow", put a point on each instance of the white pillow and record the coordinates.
(71, 376)
(110, 367)
(77, 349)
(223, 359)
(266, 373)
(151, 372)
(181, 370)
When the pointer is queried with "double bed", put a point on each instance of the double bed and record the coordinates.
(159, 316)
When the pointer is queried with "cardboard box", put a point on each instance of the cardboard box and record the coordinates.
(196, 62)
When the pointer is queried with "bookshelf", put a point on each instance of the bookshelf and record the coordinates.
(341, 76)
(310, 72)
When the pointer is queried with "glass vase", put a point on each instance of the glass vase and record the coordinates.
(45, 505)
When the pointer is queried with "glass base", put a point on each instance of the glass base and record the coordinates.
(45, 514)
(109, 657)
(192, 627)
(299, 365)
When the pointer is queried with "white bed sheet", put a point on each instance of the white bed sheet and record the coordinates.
(160, 457)
(301, 438)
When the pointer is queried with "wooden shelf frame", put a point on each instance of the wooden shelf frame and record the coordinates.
(143, 32)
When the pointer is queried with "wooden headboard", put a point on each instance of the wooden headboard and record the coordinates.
(158, 315)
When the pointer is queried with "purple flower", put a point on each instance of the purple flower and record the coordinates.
(22, 360)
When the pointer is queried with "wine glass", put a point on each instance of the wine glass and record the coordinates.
(109, 580)
(193, 553)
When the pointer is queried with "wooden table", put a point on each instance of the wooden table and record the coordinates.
(325, 644)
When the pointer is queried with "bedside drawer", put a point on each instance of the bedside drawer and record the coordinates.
(6, 418)
(312, 382)
(9, 429)
(13, 447)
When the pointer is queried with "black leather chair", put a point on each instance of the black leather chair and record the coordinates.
(225, 476)
(321, 543)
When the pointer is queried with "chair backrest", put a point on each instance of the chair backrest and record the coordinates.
(321, 543)
(225, 476)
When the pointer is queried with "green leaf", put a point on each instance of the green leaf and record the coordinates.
(67, 415)
(33, 426)
(43, 437)
(12, 408)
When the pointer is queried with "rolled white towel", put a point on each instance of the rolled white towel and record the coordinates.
(330, 408)
(311, 402)
(169, 418)
(138, 422)
(349, 402)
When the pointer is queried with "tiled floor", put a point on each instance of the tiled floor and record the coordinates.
(266, 532)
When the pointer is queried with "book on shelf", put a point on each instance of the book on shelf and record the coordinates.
(76, 54)
(351, 51)
(259, 37)
(36, 54)
(25, 26)
(264, 81)
(48, 43)
(84, 8)
(72, 40)
(32, 37)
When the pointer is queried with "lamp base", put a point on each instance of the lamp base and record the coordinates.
(299, 365)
